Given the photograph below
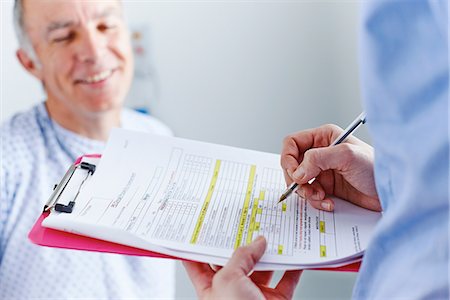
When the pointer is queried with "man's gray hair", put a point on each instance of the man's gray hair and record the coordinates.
(21, 32)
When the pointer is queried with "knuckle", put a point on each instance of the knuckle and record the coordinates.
(331, 128)
(284, 162)
(349, 154)
(288, 167)
(348, 148)
(307, 193)
(314, 204)
(349, 151)
(288, 140)
(310, 156)
(301, 192)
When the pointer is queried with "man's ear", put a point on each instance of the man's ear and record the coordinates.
(29, 64)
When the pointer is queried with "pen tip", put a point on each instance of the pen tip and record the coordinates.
(282, 198)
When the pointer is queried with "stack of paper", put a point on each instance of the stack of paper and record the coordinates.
(201, 201)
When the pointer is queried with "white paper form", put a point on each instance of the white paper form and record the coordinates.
(207, 199)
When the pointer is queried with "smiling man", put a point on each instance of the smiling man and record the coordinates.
(81, 53)
(83, 57)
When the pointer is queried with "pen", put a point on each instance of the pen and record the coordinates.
(361, 119)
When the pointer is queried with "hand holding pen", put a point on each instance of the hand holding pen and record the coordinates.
(344, 170)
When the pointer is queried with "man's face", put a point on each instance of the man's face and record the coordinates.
(84, 52)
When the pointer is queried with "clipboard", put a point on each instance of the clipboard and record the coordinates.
(49, 237)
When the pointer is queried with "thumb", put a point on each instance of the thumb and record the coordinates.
(317, 160)
(244, 258)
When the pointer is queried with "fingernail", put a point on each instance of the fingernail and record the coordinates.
(299, 173)
(259, 239)
(325, 205)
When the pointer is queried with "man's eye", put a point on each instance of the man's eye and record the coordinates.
(64, 38)
(106, 26)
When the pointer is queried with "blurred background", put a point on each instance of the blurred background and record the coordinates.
(240, 73)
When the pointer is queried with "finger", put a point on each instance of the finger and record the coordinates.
(323, 204)
(303, 140)
(327, 204)
(313, 191)
(262, 277)
(289, 164)
(295, 145)
(318, 160)
(358, 198)
(200, 274)
(244, 258)
(286, 286)
(291, 153)
(287, 177)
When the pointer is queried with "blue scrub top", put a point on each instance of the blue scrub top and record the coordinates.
(405, 77)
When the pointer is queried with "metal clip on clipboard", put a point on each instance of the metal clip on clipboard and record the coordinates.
(59, 188)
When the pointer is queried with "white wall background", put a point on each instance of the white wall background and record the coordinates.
(247, 73)
(242, 73)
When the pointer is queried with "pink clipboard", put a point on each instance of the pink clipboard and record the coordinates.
(44, 236)
(48, 237)
(59, 239)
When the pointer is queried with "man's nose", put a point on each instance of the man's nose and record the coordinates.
(91, 46)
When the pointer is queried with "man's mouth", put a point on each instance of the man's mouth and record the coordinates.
(101, 76)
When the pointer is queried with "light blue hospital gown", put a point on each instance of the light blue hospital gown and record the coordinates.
(35, 154)
(405, 76)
